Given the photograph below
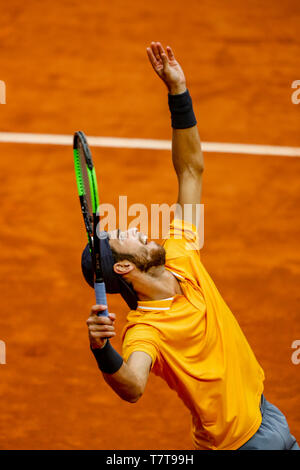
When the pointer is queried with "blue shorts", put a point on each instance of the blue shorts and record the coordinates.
(273, 433)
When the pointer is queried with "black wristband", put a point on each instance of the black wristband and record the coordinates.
(108, 359)
(182, 113)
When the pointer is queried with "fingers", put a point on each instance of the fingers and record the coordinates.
(101, 327)
(158, 57)
(101, 334)
(170, 53)
(154, 56)
(155, 50)
(160, 49)
(98, 308)
(165, 60)
(159, 52)
(151, 57)
(100, 320)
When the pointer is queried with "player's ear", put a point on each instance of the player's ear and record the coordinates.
(123, 267)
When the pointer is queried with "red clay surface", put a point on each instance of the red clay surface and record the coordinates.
(82, 65)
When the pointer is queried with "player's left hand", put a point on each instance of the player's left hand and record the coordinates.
(167, 67)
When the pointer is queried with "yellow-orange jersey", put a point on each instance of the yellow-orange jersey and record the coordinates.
(198, 348)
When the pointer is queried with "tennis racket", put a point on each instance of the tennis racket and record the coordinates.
(89, 202)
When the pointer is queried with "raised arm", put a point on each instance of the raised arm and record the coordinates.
(186, 147)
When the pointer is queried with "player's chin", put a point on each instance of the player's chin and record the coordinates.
(157, 253)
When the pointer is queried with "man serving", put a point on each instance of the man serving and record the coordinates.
(179, 327)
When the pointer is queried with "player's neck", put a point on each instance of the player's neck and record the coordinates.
(156, 284)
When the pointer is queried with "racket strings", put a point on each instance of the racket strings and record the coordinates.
(78, 169)
(86, 183)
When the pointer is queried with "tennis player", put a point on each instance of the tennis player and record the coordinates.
(179, 327)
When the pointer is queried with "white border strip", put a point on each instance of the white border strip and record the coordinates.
(140, 307)
(214, 147)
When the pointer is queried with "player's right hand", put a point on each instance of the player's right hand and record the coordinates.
(100, 327)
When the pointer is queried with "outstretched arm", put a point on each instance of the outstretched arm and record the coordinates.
(186, 147)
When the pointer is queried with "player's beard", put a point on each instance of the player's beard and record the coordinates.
(156, 257)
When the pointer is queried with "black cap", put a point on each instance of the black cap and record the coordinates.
(114, 283)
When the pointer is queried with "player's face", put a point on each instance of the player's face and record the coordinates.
(134, 243)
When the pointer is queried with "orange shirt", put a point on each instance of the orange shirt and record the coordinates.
(198, 348)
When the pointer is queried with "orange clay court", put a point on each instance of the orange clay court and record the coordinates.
(83, 65)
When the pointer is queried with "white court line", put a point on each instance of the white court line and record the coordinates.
(215, 147)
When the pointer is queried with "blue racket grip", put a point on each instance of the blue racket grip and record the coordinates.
(101, 296)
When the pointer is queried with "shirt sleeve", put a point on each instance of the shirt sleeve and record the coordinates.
(140, 337)
(183, 238)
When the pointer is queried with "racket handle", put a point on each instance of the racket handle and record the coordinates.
(101, 296)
